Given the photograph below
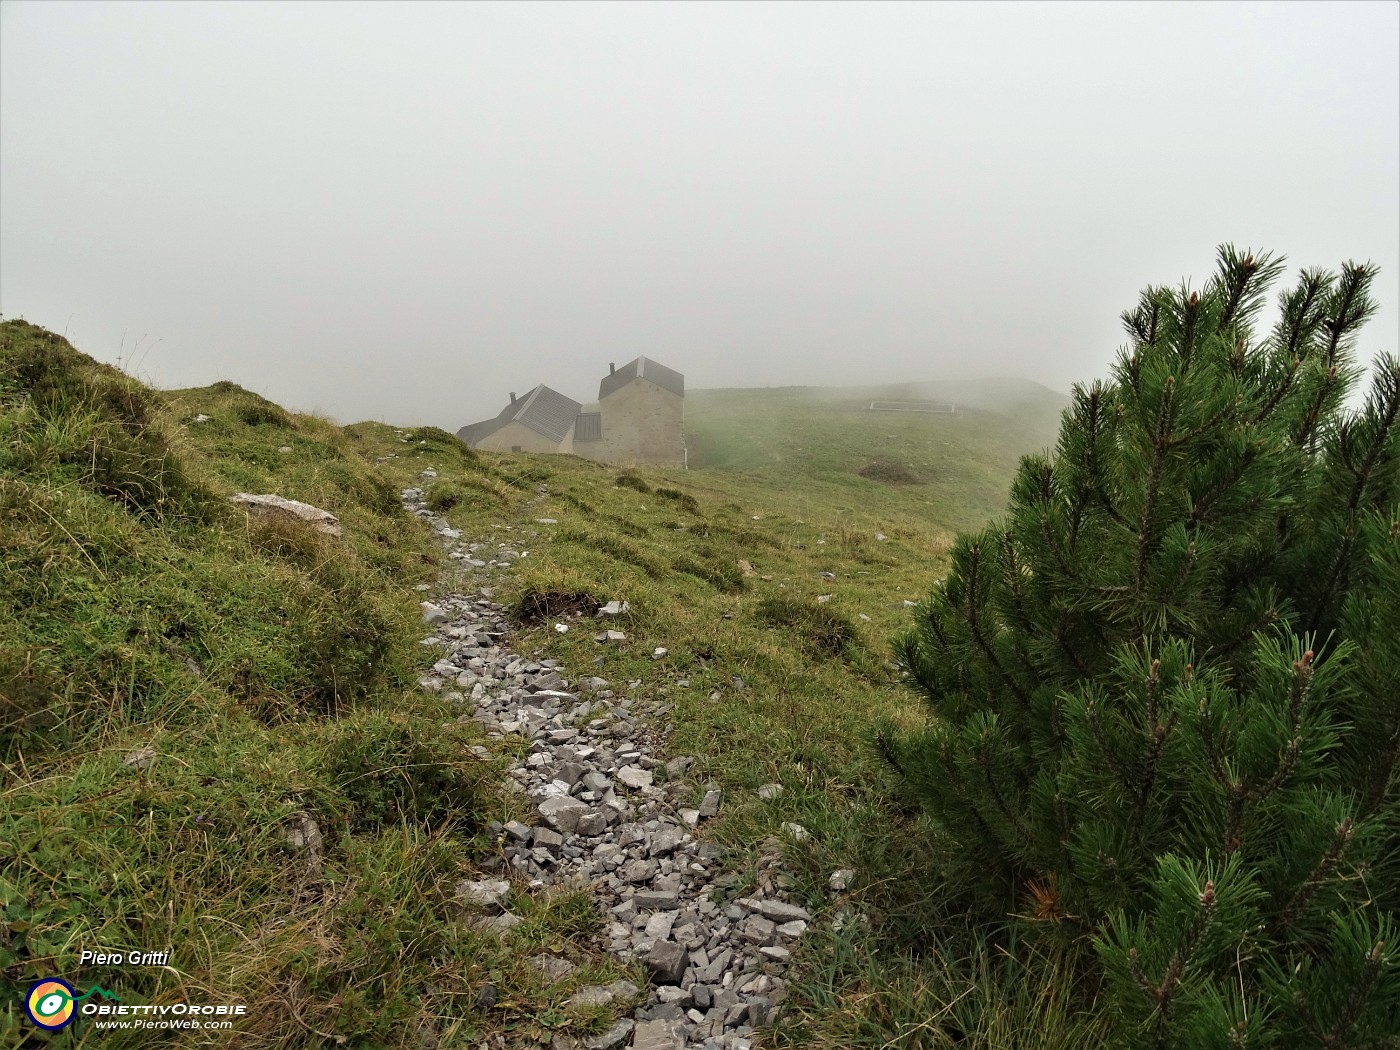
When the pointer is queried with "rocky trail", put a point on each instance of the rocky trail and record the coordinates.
(615, 816)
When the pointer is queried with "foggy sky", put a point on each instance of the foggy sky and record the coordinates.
(406, 212)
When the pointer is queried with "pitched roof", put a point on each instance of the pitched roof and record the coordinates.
(643, 368)
(589, 427)
(543, 410)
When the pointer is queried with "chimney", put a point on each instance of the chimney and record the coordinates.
(611, 368)
(512, 397)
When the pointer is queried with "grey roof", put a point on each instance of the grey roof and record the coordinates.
(589, 427)
(643, 368)
(543, 410)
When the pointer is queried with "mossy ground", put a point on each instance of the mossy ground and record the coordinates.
(274, 673)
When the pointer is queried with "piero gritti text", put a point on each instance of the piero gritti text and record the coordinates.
(100, 958)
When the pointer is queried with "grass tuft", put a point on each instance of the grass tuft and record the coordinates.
(392, 769)
(891, 471)
(684, 500)
(442, 496)
(816, 629)
(534, 606)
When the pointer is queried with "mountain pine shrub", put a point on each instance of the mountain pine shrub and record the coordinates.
(1165, 687)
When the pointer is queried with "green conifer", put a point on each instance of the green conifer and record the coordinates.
(1165, 688)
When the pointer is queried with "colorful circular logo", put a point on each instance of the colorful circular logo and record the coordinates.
(50, 1004)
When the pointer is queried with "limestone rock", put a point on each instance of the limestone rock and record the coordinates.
(709, 805)
(781, 911)
(550, 968)
(563, 813)
(301, 832)
(658, 1035)
(268, 505)
(666, 961)
(140, 759)
(635, 777)
(488, 894)
(797, 831)
(500, 924)
(614, 1037)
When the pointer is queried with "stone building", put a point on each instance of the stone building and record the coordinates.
(541, 421)
(638, 420)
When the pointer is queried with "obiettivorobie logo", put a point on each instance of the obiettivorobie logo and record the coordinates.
(52, 1004)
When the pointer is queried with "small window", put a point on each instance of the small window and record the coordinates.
(515, 448)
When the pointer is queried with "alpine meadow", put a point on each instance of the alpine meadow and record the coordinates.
(1047, 722)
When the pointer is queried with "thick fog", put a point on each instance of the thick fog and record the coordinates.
(405, 212)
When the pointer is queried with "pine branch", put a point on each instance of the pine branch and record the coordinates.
(1234, 819)
(1110, 757)
(1241, 276)
(1360, 992)
(1071, 653)
(1268, 617)
(975, 626)
(1146, 536)
(1200, 509)
(1094, 423)
(1307, 433)
(1142, 324)
(1008, 812)
(1154, 762)
(1389, 410)
(1052, 543)
(1351, 307)
(1183, 574)
(885, 746)
(1300, 312)
(1214, 758)
(1164, 994)
(1190, 323)
(1280, 391)
(1209, 424)
(1320, 873)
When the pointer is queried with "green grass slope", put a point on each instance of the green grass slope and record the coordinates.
(820, 447)
(179, 681)
(775, 580)
(272, 671)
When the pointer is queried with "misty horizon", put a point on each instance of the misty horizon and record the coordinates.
(404, 213)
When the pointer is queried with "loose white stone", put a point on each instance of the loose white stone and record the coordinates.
(841, 878)
(796, 831)
(635, 777)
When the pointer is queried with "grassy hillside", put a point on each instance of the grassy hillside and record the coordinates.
(272, 672)
(179, 683)
(817, 449)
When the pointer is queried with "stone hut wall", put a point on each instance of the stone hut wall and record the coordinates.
(515, 434)
(643, 425)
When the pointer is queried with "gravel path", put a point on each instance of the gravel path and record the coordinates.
(615, 816)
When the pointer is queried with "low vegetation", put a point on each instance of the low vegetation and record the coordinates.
(271, 672)
(185, 690)
(184, 685)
